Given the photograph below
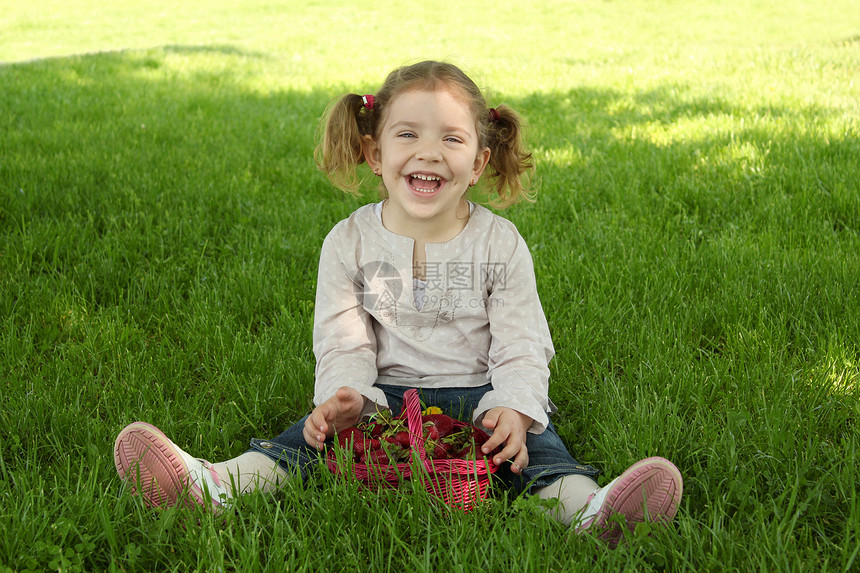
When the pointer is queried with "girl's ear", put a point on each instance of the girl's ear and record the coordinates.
(370, 149)
(481, 161)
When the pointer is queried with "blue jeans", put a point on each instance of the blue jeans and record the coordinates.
(548, 457)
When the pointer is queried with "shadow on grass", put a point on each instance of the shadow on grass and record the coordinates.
(221, 50)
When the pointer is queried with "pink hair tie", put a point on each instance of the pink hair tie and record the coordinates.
(368, 101)
(494, 115)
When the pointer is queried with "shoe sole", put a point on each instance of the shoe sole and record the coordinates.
(650, 490)
(147, 459)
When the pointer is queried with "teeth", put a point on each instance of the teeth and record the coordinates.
(427, 177)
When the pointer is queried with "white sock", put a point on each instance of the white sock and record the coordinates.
(251, 471)
(572, 491)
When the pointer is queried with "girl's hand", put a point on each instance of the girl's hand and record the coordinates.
(509, 428)
(341, 411)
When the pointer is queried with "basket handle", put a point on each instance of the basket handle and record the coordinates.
(413, 421)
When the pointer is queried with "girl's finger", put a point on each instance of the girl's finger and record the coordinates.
(490, 420)
(521, 462)
(308, 434)
(492, 443)
(509, 452)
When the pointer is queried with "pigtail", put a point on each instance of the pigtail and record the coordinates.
(338, 153)
(510, 162)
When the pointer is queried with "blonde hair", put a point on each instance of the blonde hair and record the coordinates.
(347, 120)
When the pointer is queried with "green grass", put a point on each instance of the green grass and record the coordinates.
(696, 241)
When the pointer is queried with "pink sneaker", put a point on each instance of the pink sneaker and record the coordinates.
(650, 490)
(162, 472)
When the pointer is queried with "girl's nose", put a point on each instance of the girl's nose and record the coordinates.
(429, 152)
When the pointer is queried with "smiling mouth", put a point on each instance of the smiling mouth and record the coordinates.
(425, 183)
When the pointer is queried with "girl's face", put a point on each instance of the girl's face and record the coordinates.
(427, 153)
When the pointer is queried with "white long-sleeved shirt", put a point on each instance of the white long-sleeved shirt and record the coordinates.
(481, 319)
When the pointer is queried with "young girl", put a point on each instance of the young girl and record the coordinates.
(426, 290)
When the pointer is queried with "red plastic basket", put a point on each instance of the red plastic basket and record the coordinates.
(459, 483)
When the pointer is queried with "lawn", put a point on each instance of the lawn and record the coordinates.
(696, 239)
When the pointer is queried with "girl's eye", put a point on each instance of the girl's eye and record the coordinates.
(406, 134)
(454, 139)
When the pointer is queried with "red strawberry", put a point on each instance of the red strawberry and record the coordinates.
(442, 451)
(402, 439)
(376, 457)
(353, 435)
(443, 423)
(431, 433)
(365, 445)
(376, 429)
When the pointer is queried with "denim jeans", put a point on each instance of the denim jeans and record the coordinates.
(548, 456)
